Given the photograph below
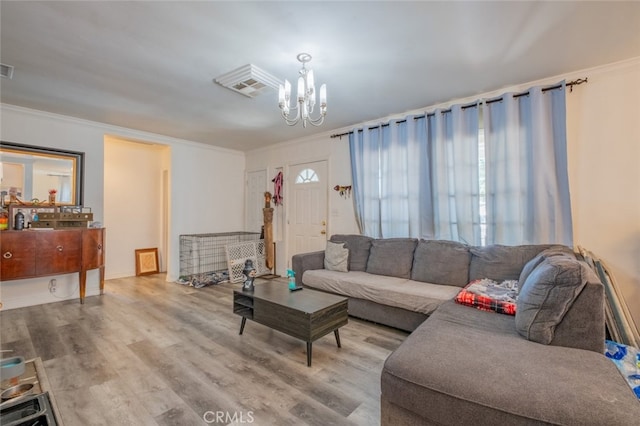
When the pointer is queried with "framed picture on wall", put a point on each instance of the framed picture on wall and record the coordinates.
(147, 261)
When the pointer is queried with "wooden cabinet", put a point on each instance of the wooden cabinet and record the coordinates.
(57, 252)
(18, 255)
(31, 254)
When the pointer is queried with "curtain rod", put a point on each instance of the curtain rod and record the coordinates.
(417, 117)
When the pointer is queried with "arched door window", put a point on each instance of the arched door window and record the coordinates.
(307, 176)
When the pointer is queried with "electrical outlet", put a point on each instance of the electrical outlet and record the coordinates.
(52, 285)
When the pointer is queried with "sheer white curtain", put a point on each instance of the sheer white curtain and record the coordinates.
(402, 156)
(527, 180)
(453, 147)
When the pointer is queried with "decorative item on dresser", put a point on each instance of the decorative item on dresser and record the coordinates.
(32, 254)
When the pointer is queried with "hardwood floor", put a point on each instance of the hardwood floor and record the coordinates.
(151, 352)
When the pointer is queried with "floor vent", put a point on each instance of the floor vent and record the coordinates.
(6, 71)
(248, 80)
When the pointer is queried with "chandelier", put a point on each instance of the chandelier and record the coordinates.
(306, 98)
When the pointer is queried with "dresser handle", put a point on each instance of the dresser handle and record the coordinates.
(99, 246)
(59, 248)
(8, 255)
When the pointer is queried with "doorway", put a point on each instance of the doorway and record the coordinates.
(307, 220)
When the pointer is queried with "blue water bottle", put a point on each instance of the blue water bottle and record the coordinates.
(292, 279)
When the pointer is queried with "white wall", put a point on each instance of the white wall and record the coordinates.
(603, 130)
(205, 192)
(33, 128)
(133, 197)
(341, 219)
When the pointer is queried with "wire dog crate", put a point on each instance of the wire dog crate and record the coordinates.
(206, 253)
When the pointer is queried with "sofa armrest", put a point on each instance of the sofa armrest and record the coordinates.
(583, 326)
(305, 261)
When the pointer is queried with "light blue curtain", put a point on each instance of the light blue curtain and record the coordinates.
(452, 139)
(364, 146)
(426, 172)
(423, 176)
(387, 163)
(527, 179)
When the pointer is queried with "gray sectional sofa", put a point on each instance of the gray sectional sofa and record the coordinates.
(462, 365)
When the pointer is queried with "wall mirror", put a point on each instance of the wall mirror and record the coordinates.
(32, 172)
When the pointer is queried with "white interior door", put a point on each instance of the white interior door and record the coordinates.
(307, 221)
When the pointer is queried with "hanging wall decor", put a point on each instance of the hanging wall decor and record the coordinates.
(343, 190)
(277, 189)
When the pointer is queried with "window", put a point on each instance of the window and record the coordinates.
(307, 176)
(493, 172)
(482, 183)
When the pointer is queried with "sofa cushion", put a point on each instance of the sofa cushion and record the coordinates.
(499, 262)
(358, 246)
(531, 265)
(390, 291)
(336, 257)
(546, 296)
(392, 257)
(441, 262)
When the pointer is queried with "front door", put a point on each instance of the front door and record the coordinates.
(308, 207)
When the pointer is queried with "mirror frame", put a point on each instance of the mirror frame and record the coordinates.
(77, 157)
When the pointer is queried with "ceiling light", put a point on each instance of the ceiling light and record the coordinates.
(248, 80)
(306, 97)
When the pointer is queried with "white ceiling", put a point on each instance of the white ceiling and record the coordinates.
(150, 65)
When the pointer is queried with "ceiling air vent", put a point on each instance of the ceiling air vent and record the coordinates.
(248, 80)
(6, 71)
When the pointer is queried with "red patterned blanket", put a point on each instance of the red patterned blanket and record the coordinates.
(490, 295)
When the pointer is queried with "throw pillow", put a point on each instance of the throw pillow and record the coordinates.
(490, 295)
(358, 246)
(392, 257)
(441, 262)
(533, 263)
(546, 296)
(336, 257)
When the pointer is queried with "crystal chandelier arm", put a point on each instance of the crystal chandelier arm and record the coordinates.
(317, 121)
(291, 121)
(301, 91)
(306, 97)
(323, 97)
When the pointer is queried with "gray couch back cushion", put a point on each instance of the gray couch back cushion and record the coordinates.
(441, 262)
(392, 257)
(501, 263)
(358, 246)
(547, 294)
(533, 263)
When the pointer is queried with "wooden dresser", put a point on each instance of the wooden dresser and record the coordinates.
(32, 254)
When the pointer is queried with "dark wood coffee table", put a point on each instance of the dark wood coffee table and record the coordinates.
(305, 314)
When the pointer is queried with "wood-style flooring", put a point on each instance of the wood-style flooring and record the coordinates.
(151, 352)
